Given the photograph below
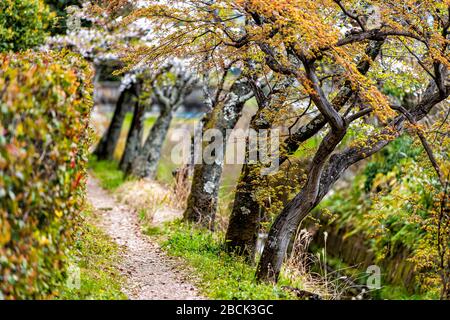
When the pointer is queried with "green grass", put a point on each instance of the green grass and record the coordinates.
(221, 275)
(111, 177)
(96, 256)
(129, 117)
(391, 292)
(108, 172)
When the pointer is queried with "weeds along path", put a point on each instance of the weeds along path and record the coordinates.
(150, 273)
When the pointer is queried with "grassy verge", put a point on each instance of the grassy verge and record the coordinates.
(95, 255)
(108, 172)
(221, 275)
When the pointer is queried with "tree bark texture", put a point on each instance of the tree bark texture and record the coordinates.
(146, 163)
(107, 145)
(203, 198)
(134, 139)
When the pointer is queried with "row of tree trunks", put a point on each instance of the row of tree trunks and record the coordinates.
(171, 84)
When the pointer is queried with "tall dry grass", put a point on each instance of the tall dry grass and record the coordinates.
(299, 270)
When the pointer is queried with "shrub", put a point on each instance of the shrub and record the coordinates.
(23, 24)
(45, 102)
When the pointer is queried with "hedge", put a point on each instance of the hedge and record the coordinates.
(45, 103)
(23, 24)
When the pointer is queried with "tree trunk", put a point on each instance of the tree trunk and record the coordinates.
(145, 165)
(107, 145)
(242, 231)
(134, 139)
(296, 210)
(203, 198)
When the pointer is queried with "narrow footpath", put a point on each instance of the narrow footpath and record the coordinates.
(151, 275)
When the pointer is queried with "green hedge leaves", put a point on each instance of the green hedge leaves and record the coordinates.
(45, 103)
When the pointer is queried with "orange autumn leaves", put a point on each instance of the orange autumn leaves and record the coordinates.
(210, 35)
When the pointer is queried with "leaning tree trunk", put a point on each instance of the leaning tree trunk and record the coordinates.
(146, 163)
(134, 139)
(203, 198)
(295, 211)
(107, 145)
(244, 220)
(321, 179)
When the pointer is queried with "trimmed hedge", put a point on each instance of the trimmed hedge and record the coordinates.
(23, 24)
(45, 103)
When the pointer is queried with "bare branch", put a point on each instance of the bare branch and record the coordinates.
(359, 114)
(351, 16)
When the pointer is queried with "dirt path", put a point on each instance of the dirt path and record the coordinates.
(151, 274)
